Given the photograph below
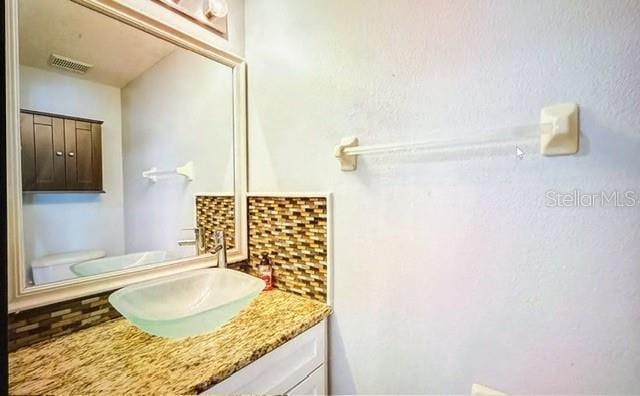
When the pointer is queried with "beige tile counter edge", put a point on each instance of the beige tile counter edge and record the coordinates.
(116, 357)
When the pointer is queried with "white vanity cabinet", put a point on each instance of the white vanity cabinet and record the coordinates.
(298, 367)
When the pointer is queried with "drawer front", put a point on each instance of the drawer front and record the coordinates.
(314, 384)
(281, 369)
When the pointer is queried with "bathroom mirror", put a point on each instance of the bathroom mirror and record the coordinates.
(129, 150)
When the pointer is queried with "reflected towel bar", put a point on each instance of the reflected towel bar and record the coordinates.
(186, 170)
(557, 133)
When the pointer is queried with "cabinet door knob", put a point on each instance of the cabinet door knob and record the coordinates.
(72, 154)
(59, 153)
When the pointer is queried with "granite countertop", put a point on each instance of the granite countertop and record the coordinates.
(118, 358)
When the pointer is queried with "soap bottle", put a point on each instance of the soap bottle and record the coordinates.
(266, 271)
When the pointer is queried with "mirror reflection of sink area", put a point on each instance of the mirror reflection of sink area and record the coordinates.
(116, 263)
(126, 148)
(187, 304)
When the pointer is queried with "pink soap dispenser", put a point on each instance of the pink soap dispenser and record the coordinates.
(266, 271)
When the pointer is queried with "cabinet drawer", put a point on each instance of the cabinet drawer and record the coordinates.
(281, 369)
(314, 384)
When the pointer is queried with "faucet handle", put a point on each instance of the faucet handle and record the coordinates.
(197, 231)
(199, 241)
(218, 237)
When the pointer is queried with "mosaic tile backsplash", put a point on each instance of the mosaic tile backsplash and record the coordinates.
(293, 232)
(42, 323)
(216, 213)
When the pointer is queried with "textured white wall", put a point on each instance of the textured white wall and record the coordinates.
(177, 111)
(55, 223)
(453, 271)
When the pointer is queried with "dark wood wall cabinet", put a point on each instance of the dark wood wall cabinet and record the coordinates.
(60, 153)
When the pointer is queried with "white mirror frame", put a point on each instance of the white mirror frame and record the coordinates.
(22, 297)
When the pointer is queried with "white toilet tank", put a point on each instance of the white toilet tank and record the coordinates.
(55, 267)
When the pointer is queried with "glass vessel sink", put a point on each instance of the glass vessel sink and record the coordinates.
(187, 304)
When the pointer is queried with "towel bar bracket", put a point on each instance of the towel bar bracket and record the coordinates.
(563, 140)
(347, 162)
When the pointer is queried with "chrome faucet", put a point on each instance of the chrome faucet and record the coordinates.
(220, 248)
(198, 241)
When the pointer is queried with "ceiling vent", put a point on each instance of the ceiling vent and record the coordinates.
(69, 64)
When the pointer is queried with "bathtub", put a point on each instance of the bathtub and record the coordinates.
(116, 263)
(69, 265)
